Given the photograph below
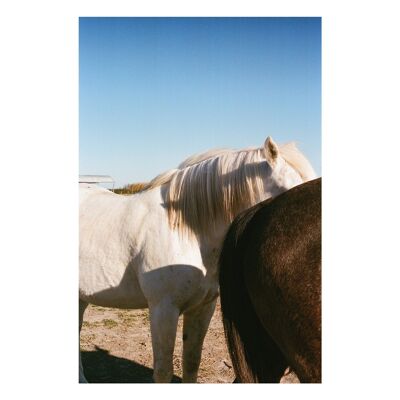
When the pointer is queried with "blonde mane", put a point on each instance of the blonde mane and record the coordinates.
(298, 161)
(218, 184)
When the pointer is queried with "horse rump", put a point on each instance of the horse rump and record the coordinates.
(255, 355)
(270, 284)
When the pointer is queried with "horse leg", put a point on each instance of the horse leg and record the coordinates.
(195, 325)
(82, 308)
(163, 324)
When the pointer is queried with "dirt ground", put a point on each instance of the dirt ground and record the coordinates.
(116, 348)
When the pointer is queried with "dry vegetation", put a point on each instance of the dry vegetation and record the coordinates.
(130, 189)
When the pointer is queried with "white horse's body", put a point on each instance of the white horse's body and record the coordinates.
(131, 240)
(159, 248)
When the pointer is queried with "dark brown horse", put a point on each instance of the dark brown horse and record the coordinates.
(270, 283)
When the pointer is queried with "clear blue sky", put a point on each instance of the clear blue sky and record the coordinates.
(155, 90)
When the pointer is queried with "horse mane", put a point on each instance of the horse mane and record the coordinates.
(216, 184)
(297, 160)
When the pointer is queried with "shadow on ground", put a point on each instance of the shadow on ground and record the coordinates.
(101, 367)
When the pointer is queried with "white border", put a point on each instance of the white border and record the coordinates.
(39, 155)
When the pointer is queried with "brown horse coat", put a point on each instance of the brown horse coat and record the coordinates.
(270, 283)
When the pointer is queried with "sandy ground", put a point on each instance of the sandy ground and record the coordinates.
(116, 348)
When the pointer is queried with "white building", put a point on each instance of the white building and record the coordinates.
(92, 180)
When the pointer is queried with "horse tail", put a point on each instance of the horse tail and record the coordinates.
(255, 356)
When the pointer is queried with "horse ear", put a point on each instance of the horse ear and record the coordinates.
(271, 151)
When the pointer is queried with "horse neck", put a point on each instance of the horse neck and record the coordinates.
(209, 196)
(211, 242)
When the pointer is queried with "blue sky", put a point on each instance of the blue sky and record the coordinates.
(153, 91)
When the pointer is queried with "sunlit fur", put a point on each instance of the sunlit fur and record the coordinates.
(270, 287)
(215, 186)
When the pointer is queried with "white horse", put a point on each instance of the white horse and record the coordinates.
(159, 248)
